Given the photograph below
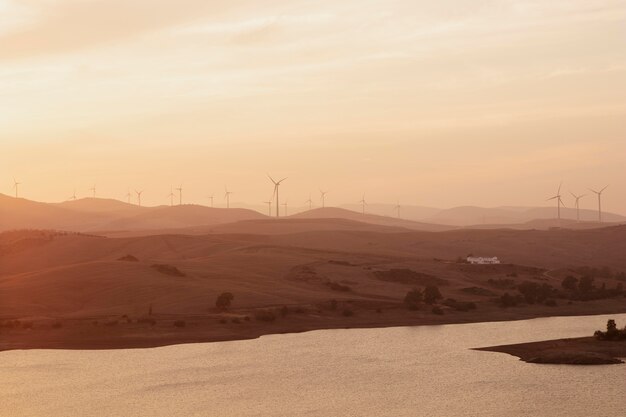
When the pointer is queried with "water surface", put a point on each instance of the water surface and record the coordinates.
(403, 371)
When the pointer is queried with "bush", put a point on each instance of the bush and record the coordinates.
(128, 258)
(333, 304)
(147, 320)
(347, 312)
(437, 310)
(432, 294)
(284, 311)
(57, 325)
(236, 320)
(223, 321)
(224, 300)
(265, 315)
(551, 302)
(612, 332)
(168, 270)
(569, 283)
(413, 298)
(507, 300)
(180, 323)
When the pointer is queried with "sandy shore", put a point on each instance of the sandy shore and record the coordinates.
(129, 332)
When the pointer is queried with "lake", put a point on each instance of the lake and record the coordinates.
(401, 371)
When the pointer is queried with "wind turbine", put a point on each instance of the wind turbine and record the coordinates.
(276, 185)
(269, 207)
(397, 207)
(139, 193)
(323, 194)
(180, 195)
(557, 197)
(363, 203)
(285, 205)
(211, 198)
(73, 197)
(227, 197)
(310, 202)
(171, 195)
(93, 189)
(16, 185)
(599, 193)
(577, 197)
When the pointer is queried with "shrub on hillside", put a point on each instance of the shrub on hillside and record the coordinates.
(224, 300)
(413, 298)
(265, 315)
(168, 270)
(432, 294)
(128, 258)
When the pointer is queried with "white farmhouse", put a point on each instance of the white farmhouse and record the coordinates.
(479, 260)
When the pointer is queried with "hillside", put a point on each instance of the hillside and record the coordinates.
(470, 215)
(340, 213)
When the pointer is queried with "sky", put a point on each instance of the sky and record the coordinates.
(447, 103)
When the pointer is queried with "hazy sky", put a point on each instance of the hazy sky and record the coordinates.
(441, 103)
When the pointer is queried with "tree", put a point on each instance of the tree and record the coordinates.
(432, 294)
(611, 327)
(224, 300)
(569, 283)
(585, 285)
(413, 298)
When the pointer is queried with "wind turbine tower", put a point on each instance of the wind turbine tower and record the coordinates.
(276, 186)
(363, 203)
(171, 195)
(285, 205)
(73, 197)
(309, 202)
(397, 207)
(16, 186)
(323, 194)
(139, 193)
(180, 195)
(211, 198)
(559, 201)
(599, 194)
(128, 195)
(269, 207)
(577, 197)
(93, 189)
(227, 197)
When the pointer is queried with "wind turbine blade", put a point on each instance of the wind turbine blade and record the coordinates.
(560, 185)
(604, 189)
(553, 198)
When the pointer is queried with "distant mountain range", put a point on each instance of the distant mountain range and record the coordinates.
(93, 215)
(473, 216)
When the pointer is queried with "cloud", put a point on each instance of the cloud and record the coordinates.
(70, 25)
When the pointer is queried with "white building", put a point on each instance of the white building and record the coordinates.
(479, 260)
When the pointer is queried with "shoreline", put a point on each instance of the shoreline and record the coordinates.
(83, 334)
(573, 351)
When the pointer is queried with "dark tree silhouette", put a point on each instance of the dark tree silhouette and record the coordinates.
(432, 294)
(224, 300)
